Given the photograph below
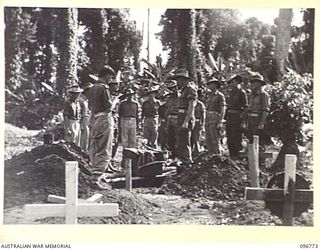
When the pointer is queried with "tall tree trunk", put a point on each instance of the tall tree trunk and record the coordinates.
(283, 38)
(68, 48)
(96, 21)
(186, 31)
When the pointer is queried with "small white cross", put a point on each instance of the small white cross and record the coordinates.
(72, 209)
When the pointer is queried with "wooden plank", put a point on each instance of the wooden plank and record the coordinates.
(262, 155)
(268, 194)
(290, 170)
(289, 189)
(128, 169)
(71, 192)
(253, 160)
(95, 198)
(58, 210)
(137, 178)
(61, 200)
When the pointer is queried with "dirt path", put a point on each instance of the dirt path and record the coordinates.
(175, 209)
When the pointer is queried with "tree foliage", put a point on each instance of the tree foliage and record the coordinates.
(302, 44)
(48, 49)
(291, 107)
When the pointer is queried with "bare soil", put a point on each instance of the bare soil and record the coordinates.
(211, 193)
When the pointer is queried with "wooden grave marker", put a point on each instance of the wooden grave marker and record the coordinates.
(253, 161)
(72, 209)
(287, 196)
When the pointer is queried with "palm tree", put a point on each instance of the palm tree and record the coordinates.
(67, 45)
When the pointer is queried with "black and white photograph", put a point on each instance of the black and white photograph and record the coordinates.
(159, 116)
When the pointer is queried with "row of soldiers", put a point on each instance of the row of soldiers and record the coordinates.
(175, 122)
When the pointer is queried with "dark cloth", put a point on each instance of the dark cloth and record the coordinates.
(234, 134)
(99, 98)
(236, 101)
(172, 104)
(72, 110)
(215, 101)
(150, 130)
(128, 109)
(162, 111)
(150, 108)
(199, 110)
(184, 146)
(172, 135)
(187, 93)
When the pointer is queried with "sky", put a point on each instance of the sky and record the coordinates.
(141, 17)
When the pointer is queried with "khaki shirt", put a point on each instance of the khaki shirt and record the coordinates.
(259, 102)
(215, 101)
(128, 109)
(72, 110)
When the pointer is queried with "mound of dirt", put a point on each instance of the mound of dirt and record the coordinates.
(211, 176)
(31, 176)
(17, 140)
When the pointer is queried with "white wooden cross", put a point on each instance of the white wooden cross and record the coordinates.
(72, 209)
(286, 196)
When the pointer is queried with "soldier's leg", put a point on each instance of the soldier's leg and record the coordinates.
(102, 139)
(124, 132)
(171, 139)
(146, 130)
(184, 146)
(208, 138)
(234, 138)
(153, 132)
(84, 144)
(195, 140)
(216, 139)
(132, 134)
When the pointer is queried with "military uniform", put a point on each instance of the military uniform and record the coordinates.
(72, 115)
(236, 104)
(150, 124)
(128, 114)
(171, 107)
(258, 103)
(215, 102)
(102, 127)
(188, 92)
(84, 122)
(199, 113)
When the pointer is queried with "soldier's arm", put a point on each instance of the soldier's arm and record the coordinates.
(245, 113)
(222, 108)
(192, 97)
(190, 112)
